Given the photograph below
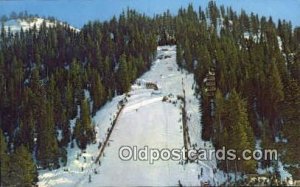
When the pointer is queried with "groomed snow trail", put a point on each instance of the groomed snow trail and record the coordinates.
(145, 121)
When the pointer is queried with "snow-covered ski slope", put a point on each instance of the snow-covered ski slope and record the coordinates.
(145, 121)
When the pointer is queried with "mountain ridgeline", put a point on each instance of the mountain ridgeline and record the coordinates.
(46, 73)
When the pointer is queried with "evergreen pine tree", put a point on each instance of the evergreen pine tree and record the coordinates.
(219, 114)
(123, 74)
(206, 119)
(291, 118)
(241, 137)
(47, 147)
(84, 131)
(22, 170)
(69, 101)
(4, 160)
(274, 95)
(179, 57)
(98, 93)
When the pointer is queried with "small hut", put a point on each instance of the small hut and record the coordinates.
(210, 83)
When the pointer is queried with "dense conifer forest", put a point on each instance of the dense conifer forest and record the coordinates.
(256, 62)
(46, 73)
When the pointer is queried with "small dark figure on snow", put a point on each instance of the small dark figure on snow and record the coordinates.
(90, 178)
(179, 183)
(214, 170)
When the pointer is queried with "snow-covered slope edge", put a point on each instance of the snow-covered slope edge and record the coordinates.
(15, 25)
(146, 120)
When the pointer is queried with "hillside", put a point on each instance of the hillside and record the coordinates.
(214, 90)
(15, 25)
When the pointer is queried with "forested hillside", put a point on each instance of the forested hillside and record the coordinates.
(48, 73)
(256, 62)
(44, 75)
